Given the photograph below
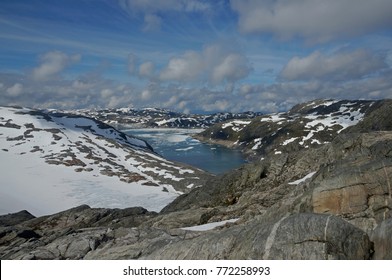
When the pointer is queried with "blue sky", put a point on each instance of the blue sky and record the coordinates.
(194, 55)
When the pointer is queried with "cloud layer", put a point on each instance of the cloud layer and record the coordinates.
(215, 64)
(194, 55)
(339, 66)
(316, 20)
(51, 64)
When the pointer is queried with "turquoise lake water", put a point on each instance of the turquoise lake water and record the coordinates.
(178, 145)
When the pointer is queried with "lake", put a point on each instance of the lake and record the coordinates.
(178, 145)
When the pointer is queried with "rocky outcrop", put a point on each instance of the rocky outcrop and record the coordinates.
(67, 235)
(357, 185)
(15, 218)
(298, 236)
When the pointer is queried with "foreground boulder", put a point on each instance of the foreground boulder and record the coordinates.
(299, 236)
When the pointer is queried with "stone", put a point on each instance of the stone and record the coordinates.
(15, 218)
(382, 239)
(298, 236)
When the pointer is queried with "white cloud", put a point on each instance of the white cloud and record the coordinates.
(338, 66)
(52, 63)
(15, 90)
(317, 20)
(106, 93)
(215, 64)
(146, 69)
(81, 85)
(218, 105)
(146, 95)
(232, 68)
(187, 67)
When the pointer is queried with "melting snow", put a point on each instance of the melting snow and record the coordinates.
(236, 125)
(273, 118)
(209, 226)
(257, 143)
(310, 175)
(288, 141)
(110, 167)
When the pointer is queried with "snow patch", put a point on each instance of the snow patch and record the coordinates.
(236, 125)
(288, 141)
(297, 182)
(273, 118)
(210, 226)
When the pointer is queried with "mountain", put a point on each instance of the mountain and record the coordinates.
(325, 199)
(159, 118)
(306, 125)
(53, 161)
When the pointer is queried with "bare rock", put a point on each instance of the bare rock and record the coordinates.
(382, 238)
(298, 236)
(15, 218)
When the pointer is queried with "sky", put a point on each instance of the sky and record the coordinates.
(193, 56)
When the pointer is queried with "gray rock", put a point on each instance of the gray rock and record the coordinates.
(382, 238)
(15, 218)
(299, 236)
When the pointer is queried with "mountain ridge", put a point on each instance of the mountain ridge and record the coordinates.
(157, 118)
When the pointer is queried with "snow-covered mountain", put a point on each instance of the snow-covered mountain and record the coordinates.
(306, 125)
(154, 117)
(52, 161)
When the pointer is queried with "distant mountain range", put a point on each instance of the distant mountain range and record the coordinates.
(159, 118)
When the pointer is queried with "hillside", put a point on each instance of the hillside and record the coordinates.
(325, 195)
(54, 161)
(306, 125)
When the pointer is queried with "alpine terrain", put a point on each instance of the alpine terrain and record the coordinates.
(158, 118)
(54, 161)
(319, 187)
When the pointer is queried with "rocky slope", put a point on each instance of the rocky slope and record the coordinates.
(59, 160)
(306, 125)
(317, 201)
(159, 118)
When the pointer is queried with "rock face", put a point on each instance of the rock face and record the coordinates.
(325, 201)
(298, 236)
(381, 237)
